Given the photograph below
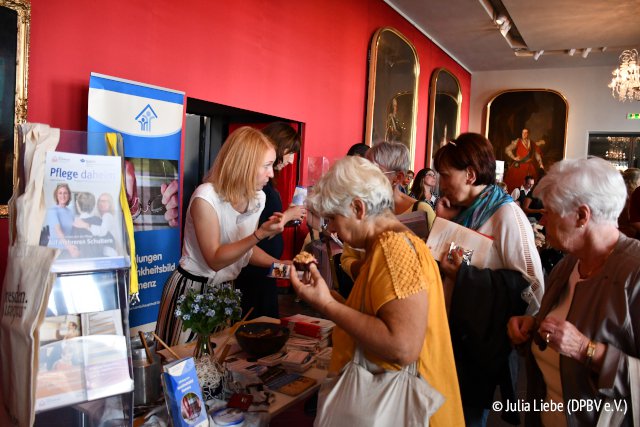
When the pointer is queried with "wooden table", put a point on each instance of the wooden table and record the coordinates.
(282, 401)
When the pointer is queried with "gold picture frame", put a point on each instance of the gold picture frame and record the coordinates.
(544, 114)
(15, 16)
(445, 109)
(392, 103)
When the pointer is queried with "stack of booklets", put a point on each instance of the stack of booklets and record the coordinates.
(309, 326)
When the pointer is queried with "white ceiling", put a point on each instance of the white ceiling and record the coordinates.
(465, 30)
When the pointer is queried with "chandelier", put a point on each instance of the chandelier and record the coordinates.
(626, 78)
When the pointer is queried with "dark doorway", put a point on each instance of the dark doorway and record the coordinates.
(207, 127)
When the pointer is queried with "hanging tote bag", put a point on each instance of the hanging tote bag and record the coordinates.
(359, 397)
(364, 395)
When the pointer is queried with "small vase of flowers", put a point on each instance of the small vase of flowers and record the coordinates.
(209, 312)
(205, 314)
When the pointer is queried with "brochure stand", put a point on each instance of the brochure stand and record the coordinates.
(85, 372)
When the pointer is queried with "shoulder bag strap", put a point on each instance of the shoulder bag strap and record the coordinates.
(358, 356)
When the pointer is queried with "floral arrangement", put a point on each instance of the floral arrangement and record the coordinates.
(203, 313)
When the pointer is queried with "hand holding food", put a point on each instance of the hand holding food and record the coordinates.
(302, 262)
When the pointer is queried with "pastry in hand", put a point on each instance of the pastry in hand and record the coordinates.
(302, 262)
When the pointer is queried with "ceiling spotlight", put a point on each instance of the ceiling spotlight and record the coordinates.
(500, 19)
(538, 54)
(571, 52)
(585, 52)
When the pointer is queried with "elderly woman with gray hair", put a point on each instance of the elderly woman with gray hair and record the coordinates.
(395, 312)
(587, 332)
(393, 160)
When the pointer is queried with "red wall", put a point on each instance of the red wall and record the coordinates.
(302, 60)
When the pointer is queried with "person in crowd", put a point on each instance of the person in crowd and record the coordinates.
(359, 149)
(481, 300)
(525, 156)
(503, 186)
(258, 290)
(589, 320)
(59, 222)
(518, 194)
(406, 183)
(631, 178)
(533, 207)
(220, 234)
(393, 160)
(107, 227)
(396, 311)
(423, 187)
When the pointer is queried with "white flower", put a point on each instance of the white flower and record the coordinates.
(186, 317)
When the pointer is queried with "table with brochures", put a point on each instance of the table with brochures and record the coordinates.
(282, 401)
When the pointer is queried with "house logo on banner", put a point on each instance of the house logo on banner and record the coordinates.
(144, 118)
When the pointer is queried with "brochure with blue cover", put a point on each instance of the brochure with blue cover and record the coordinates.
(183, 394)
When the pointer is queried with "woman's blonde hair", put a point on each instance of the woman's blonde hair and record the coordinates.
(234, 171)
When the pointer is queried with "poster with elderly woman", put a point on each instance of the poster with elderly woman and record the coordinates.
(83, 217)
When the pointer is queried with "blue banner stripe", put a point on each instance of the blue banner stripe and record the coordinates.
(136, 90)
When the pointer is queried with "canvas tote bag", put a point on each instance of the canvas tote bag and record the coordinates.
(359, 397)
(25, 293)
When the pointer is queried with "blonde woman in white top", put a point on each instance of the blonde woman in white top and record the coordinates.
(220, 233)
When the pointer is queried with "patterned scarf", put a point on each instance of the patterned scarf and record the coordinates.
(485, 205)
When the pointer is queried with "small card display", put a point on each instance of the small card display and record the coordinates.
(279, 270)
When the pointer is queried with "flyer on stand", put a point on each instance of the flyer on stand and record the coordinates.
(82, 357)
(83, 214)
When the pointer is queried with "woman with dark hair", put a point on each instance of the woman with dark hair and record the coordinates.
(481, 300)
(258, 290)
(423, 185)
(360, 149)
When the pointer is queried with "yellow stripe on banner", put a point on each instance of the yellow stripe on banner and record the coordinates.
(112, 147)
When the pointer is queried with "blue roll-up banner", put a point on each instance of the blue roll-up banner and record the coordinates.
(149, 118)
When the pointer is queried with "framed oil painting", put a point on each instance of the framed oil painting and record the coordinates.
(15, 16)
(445, 100)
(392, 104)
(528, 129)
